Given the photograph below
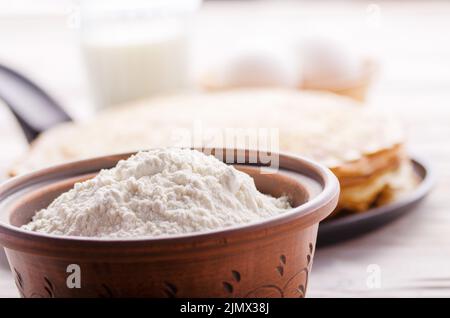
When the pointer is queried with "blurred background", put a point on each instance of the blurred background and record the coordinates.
(407, 41)
(393, 55)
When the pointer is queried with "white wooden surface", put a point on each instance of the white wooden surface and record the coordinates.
(412, 42)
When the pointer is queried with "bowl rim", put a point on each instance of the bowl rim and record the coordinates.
(317, 208)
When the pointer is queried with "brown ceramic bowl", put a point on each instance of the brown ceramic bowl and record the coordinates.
(271, 258)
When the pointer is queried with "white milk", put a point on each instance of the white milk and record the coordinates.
(128, 61)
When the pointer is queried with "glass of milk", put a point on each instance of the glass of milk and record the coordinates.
(135, 49)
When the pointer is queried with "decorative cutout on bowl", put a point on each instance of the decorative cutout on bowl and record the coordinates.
(170, 290)
(106, 292)
(296, 284)
(266, 291)
(236, 276)
(19, 282)
(280, 268)
(49, 288)
(227, 286)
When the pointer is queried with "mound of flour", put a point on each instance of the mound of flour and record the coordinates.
(158, 192)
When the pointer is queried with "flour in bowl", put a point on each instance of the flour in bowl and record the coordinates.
(158, 192)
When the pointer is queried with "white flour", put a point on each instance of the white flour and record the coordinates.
(158, 192)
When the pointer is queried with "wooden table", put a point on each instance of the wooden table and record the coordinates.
(412, 43)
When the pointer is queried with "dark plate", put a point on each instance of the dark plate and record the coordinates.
(350, 226)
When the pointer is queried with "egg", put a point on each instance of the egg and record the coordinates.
(328, 63)
(312, 63)
(254, 67)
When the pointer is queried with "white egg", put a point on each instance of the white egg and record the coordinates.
(253, 68)
(327, 63)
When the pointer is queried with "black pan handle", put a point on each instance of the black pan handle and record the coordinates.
(35, 110)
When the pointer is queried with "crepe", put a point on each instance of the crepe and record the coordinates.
(361, 145)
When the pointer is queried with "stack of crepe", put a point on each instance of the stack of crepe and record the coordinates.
(362, 146)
